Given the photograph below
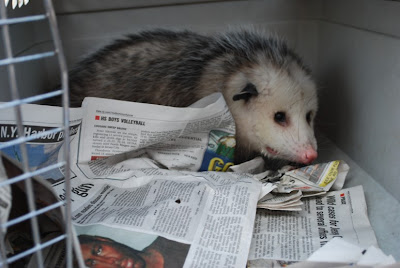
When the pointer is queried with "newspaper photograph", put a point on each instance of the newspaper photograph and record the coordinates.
(101, 246)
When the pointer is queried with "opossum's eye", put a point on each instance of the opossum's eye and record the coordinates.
(246, 93)
(308, 117)
(280, 118)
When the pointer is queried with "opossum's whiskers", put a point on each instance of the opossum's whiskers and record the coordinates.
(309, 100)
(294, 102)
(288, 135)
(300, 115)
(293, 139)
(298, 127)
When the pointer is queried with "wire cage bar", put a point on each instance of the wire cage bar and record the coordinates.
(16, 102)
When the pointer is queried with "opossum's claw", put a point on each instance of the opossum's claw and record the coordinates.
(247, 92)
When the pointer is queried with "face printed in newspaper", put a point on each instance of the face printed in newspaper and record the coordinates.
(106, 253)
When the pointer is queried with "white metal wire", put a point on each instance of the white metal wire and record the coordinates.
(9, 62)
(22, 19)
(20, 130)
(36, 249)
(31, 99)
(29, 175)
(33, 214)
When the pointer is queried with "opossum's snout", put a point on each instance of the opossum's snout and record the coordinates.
(308, 156)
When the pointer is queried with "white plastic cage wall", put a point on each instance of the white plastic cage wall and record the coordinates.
(9, 62)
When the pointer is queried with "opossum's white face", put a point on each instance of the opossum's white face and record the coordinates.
(274, 110)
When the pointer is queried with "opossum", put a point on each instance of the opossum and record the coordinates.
(267, 88)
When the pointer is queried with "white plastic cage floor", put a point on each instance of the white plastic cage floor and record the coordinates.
(383, 208)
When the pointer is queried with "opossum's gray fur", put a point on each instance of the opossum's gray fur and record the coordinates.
(165, 67)
(175, 68)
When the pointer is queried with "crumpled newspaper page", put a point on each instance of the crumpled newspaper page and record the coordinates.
(284, 188)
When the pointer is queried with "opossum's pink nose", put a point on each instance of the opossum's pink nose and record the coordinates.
(308, 156)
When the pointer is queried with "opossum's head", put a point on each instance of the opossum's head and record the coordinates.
(274, 109)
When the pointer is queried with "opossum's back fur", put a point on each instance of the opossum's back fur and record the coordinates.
(172, 68)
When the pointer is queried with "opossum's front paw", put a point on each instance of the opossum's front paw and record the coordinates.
(286, 168)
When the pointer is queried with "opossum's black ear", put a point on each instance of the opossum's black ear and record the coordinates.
(247, 92)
